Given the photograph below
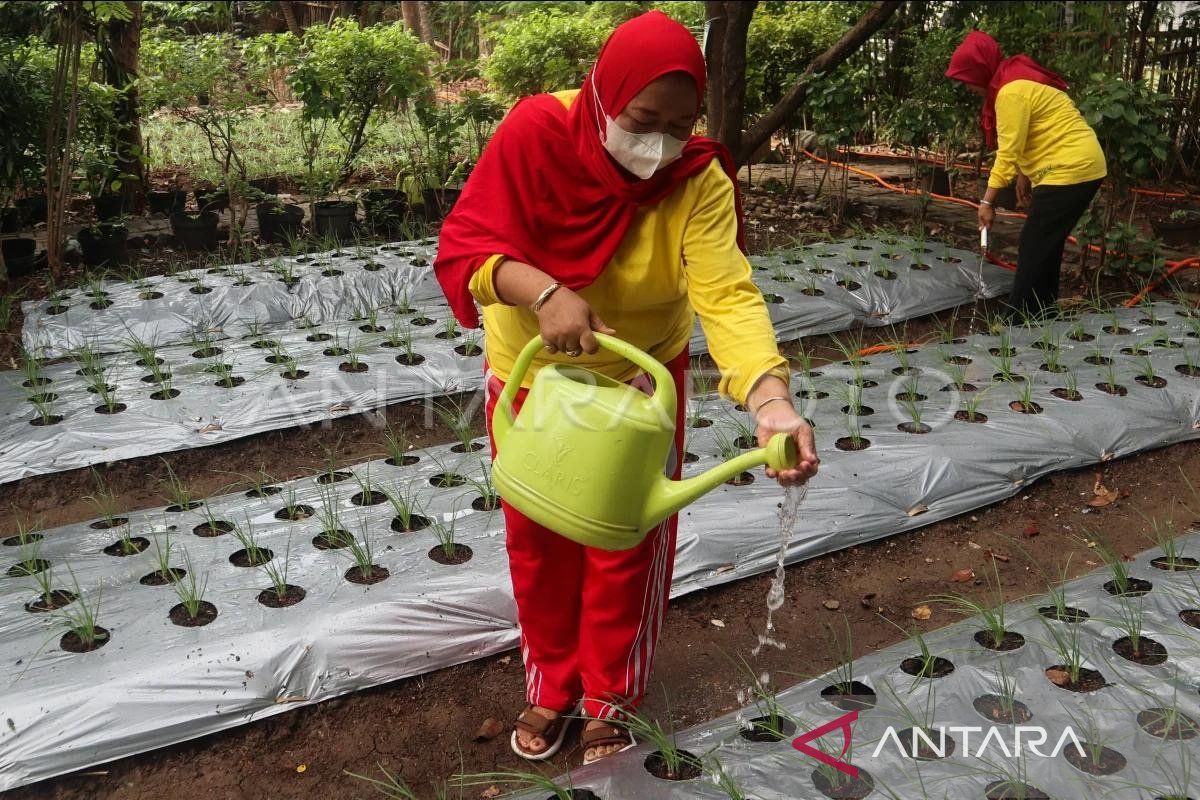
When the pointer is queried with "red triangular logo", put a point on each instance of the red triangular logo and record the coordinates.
(843, 724)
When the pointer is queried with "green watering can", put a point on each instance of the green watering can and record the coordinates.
(585, 456)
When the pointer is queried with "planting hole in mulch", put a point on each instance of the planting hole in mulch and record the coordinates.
(688, 767)
(100, 305)
(745, 443)
(1013, 790)
(265, 344)
(699, 422)
(191, 504)
(908, 371)
(482, 503)
(918, 667)
(371, 328)
(166, 376)
(460, 448)
(447, 480)
(839, 786)
(1106, 762)
(59, 308)
(423, 321)
(163, 578)
(812, 292)
(244, 558)
(1025, 408)
(231, 382)
(959, 387)
(331, 272)
(50, 397)
(165, 394)
(1154, 382)
(1117, 331)
(468, 349)
(372, 498)
(447, 335)
(213, 528)
(1080, 336)
(950, 259)
(415, 523)
(690, 458)
(459, 554)
(1002, 709)
(207, 352)
(1176, 564)
(852, 445)
(858, 411)
(115, 408)
(1009, 640)
(1149, 653)
(38, 382)
(1134, 351)
(742, 479)
(17, 541)
(358, 368)
(405, 461)
(1190, 617)
(273, 599)
(855, 695)
(849, 285)
(50, 419)
(961, 361)
(72, 642)
(1065, 614)
(772, 298)
(276, 359)
(1113, 388)
(914, 427)
(141, 362)
(373, 574)
(967, 416)
(127, 547)
(765, 729)
(1056, 369)
(863, 383)
(318, 337)
(105, 524)
(1007, 351)
(1167, 723)
(886, 274)
(58, 599)
(1066, 394)
(920, 266)
(332, 540)
(1089, 679)
(1008, 377)
(264, 491)
(410, 361)
(205, 613)
(1134, 587)
(294, 375)
(333, 477)
(811, 394)
(335, 351)
(916, 746)
(1190, 371)
(1157, 323)
(295, 513)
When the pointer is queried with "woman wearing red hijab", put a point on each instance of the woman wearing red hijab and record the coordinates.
(1042, 140)
(597, 210)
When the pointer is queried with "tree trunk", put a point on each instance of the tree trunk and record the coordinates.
(714, 12)
(120, 71)
(425, 22)
(870, 22)
(289, 16)
(1149, 9)
(733, 72)
(64, 107)
(412, 16)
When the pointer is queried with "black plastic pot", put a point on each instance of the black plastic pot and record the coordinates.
(108, 206)
(211, 199)
(21, 257)
(1177, 233)
(940, 181)
(10, 219)
(195, 231)
(279, 223)
(33, 208)
(438, 202)
(335, 219)
(386, 208)
(169, 202)
(105, 244)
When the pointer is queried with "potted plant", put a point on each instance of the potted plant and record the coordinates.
(195, 231)
(1180, 228)
(105, 243)
(278, 222)
(386, 207)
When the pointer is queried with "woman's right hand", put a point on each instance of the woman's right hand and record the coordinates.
(567, 322)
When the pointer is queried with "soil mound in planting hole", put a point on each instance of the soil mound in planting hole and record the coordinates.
(687, 769)
(843, 787)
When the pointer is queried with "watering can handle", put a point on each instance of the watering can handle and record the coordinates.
(664, 383)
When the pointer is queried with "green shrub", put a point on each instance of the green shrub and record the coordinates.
(780, 44)
(544, 51)
(25, 83)
(1130, 120)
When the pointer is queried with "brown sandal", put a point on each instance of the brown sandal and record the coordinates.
(605, 736)
(551, 729)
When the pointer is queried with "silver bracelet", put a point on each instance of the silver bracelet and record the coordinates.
(544, 296)
(985, 202)
(771, 400)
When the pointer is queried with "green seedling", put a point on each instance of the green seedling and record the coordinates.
(771, 718)
(488, 498)
(177, 492)
(544, 786)
(105, 502)
(1025, 394)
(450, 329)
(403, 500)
(459, 418)
(276, 571)
(1146, 371)
(726, 440)
(393, 788)
(1065, 643)
(444, 531)
(188, 589)
(645, 729)
(362, 552)
(81, 618)
(470, 345)
(164, 548)
(804, 361)
(255, 554)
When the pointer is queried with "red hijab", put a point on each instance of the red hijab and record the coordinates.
(980, 61)
(547, 193)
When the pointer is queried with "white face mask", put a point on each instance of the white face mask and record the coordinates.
(642, 154)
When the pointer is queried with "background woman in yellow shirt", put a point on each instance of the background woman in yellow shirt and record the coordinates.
(597, 210)
(1040, 138)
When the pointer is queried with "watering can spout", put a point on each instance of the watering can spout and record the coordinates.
(669, 496)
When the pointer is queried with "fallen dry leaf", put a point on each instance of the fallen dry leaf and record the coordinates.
(1059, 677)
(998, 556)
(1104, 498)
(922, 612)
(963, 575)
(1031, 529)
(717, 623)
(489, 729)
(490, 792)
(832, 605)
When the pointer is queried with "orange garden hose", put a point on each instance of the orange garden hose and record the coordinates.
(1172, 266)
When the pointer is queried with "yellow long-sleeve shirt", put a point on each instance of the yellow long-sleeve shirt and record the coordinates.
(678, 255)
(1041, 132)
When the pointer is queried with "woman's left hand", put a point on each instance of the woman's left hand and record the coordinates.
(779, 417)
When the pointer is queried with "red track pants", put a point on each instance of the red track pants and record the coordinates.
(590, 618)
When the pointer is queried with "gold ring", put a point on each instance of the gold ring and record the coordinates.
(574, 353)
(549, 347)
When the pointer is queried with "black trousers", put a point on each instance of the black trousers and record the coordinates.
(1052, 214)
